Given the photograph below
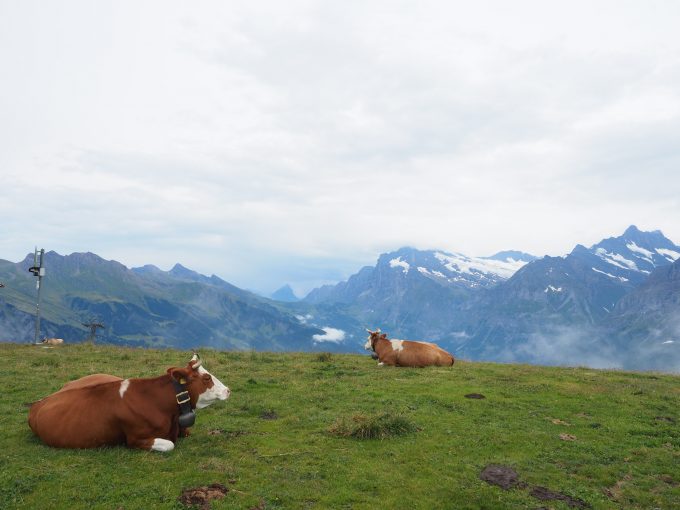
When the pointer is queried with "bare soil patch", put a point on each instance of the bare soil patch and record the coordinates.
(666, 419)
(503, 476)
(507, 478)
(201, 496)
(544, 494)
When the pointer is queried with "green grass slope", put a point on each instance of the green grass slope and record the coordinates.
(336, 431)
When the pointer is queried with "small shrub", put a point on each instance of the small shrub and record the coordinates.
(380, 426)
(324, 357)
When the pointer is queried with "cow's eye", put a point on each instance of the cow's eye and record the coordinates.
(207, 378)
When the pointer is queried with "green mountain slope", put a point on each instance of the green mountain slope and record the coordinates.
(177, 308)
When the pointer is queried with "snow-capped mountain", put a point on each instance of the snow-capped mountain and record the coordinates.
(563, 299)
(411, 265)
(616, 303)
(512, 306)
(415, 291)
(646, 322)
(630, 257)
(456, 268)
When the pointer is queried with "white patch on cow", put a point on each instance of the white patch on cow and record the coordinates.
(381, 364)
(368, 345)
(218, 392)
(162, 445)
(123, 387)
(397, 345)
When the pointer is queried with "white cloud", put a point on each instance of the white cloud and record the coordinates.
(254, 140)
(330, 335)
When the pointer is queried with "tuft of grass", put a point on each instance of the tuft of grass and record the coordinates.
(381, 426)
(324, 357)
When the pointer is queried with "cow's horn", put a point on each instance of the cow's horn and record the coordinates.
(197, 359)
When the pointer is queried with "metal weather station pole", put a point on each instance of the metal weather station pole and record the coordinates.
(38, 271)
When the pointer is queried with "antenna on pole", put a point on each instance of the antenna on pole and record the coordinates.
(38, 271)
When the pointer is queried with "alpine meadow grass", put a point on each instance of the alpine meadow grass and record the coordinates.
(338, 432)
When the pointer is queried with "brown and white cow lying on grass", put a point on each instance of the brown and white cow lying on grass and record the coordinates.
(406, 353)
(101, 409)
(52, 341)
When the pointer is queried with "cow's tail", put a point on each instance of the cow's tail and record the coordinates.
(453, 360)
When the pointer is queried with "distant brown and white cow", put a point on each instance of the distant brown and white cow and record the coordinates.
(52, 341)
(101, 409)
(406, 353)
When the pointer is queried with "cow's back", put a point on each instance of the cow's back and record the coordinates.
(90, 380)
(75, 417)
(423, 354)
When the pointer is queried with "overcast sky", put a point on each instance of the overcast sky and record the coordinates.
(274, 142)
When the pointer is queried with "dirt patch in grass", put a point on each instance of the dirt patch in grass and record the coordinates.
(665, 419)
(269, 415)
(227, 433)
(669, 480)
(380, 426)
(201, 496)
(477, 396)
(544, 494)
(503, 476)
(507, 478)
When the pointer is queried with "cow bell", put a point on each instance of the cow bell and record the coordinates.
(187, 419)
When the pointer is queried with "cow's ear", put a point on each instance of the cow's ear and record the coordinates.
(179, 374)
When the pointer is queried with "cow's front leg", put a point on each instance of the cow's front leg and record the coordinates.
(162, 445)
(155, 444)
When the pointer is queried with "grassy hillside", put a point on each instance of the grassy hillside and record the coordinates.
(336, 431)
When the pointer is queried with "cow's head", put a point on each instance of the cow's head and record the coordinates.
(204, 388)
(373, 337)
